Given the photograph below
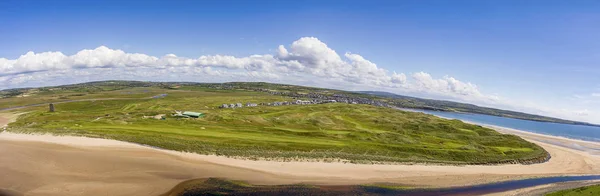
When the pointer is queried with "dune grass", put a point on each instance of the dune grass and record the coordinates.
(329, 132)
(582, 191)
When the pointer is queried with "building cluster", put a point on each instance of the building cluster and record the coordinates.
(313, 98)
(186, 114)
(232, 105)
(316, 96)
(237, 105)
(281, 103)
(337, 98)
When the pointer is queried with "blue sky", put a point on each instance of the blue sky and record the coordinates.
(534, 56)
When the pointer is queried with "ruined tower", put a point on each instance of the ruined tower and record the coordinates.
(51, 107)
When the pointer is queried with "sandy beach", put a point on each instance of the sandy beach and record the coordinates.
(66, 165)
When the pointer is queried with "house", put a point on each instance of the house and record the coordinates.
(251, 104)
(232, 105)
(193, 114)
(179, 114)
(300, 102)
(225, 106)
(239, 105)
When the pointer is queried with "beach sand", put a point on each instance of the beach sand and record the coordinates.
(66, 165)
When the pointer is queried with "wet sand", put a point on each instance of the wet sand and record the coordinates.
(64, 165)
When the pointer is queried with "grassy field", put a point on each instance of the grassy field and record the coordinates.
(582, 191)
(327, 132)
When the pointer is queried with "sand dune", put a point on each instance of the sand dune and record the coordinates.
(65, 165)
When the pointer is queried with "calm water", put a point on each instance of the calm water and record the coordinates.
(581, 132)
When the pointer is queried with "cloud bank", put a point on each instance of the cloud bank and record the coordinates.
(307, 56)
(306, 61)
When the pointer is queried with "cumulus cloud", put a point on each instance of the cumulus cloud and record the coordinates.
(306, 59)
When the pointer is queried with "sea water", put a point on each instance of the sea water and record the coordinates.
(581, 132)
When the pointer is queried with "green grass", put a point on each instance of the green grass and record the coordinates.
(355, 133)
(582, 191)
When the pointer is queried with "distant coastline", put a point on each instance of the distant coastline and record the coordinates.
(592, 132)
(452, 106)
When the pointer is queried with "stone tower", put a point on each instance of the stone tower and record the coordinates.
(51, 107)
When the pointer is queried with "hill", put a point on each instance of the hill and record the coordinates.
(382, 98)
(355, 128)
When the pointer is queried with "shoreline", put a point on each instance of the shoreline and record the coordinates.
(506, 130)
(166, 168)
(513, 129)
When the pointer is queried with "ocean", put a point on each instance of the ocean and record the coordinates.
(580, 132)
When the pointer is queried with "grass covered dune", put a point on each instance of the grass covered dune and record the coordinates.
(326, 132)
(581, 191)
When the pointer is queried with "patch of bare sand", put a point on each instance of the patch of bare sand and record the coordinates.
(6, 118)
(57, 165)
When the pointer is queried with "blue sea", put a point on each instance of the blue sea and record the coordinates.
(581, 132)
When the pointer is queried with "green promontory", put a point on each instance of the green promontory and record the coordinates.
(328, 132)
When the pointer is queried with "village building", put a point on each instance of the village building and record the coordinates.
(300, 102)
(193, 114)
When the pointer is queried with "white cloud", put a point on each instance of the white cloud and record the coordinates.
(307, 55)
(307, 61)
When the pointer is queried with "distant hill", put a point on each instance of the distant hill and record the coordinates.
(384, 97)
(451, 106)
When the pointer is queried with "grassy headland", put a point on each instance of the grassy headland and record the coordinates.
(95, 88)
(355, 133)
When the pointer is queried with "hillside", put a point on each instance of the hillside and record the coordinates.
(382, 98)
(360, 131)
